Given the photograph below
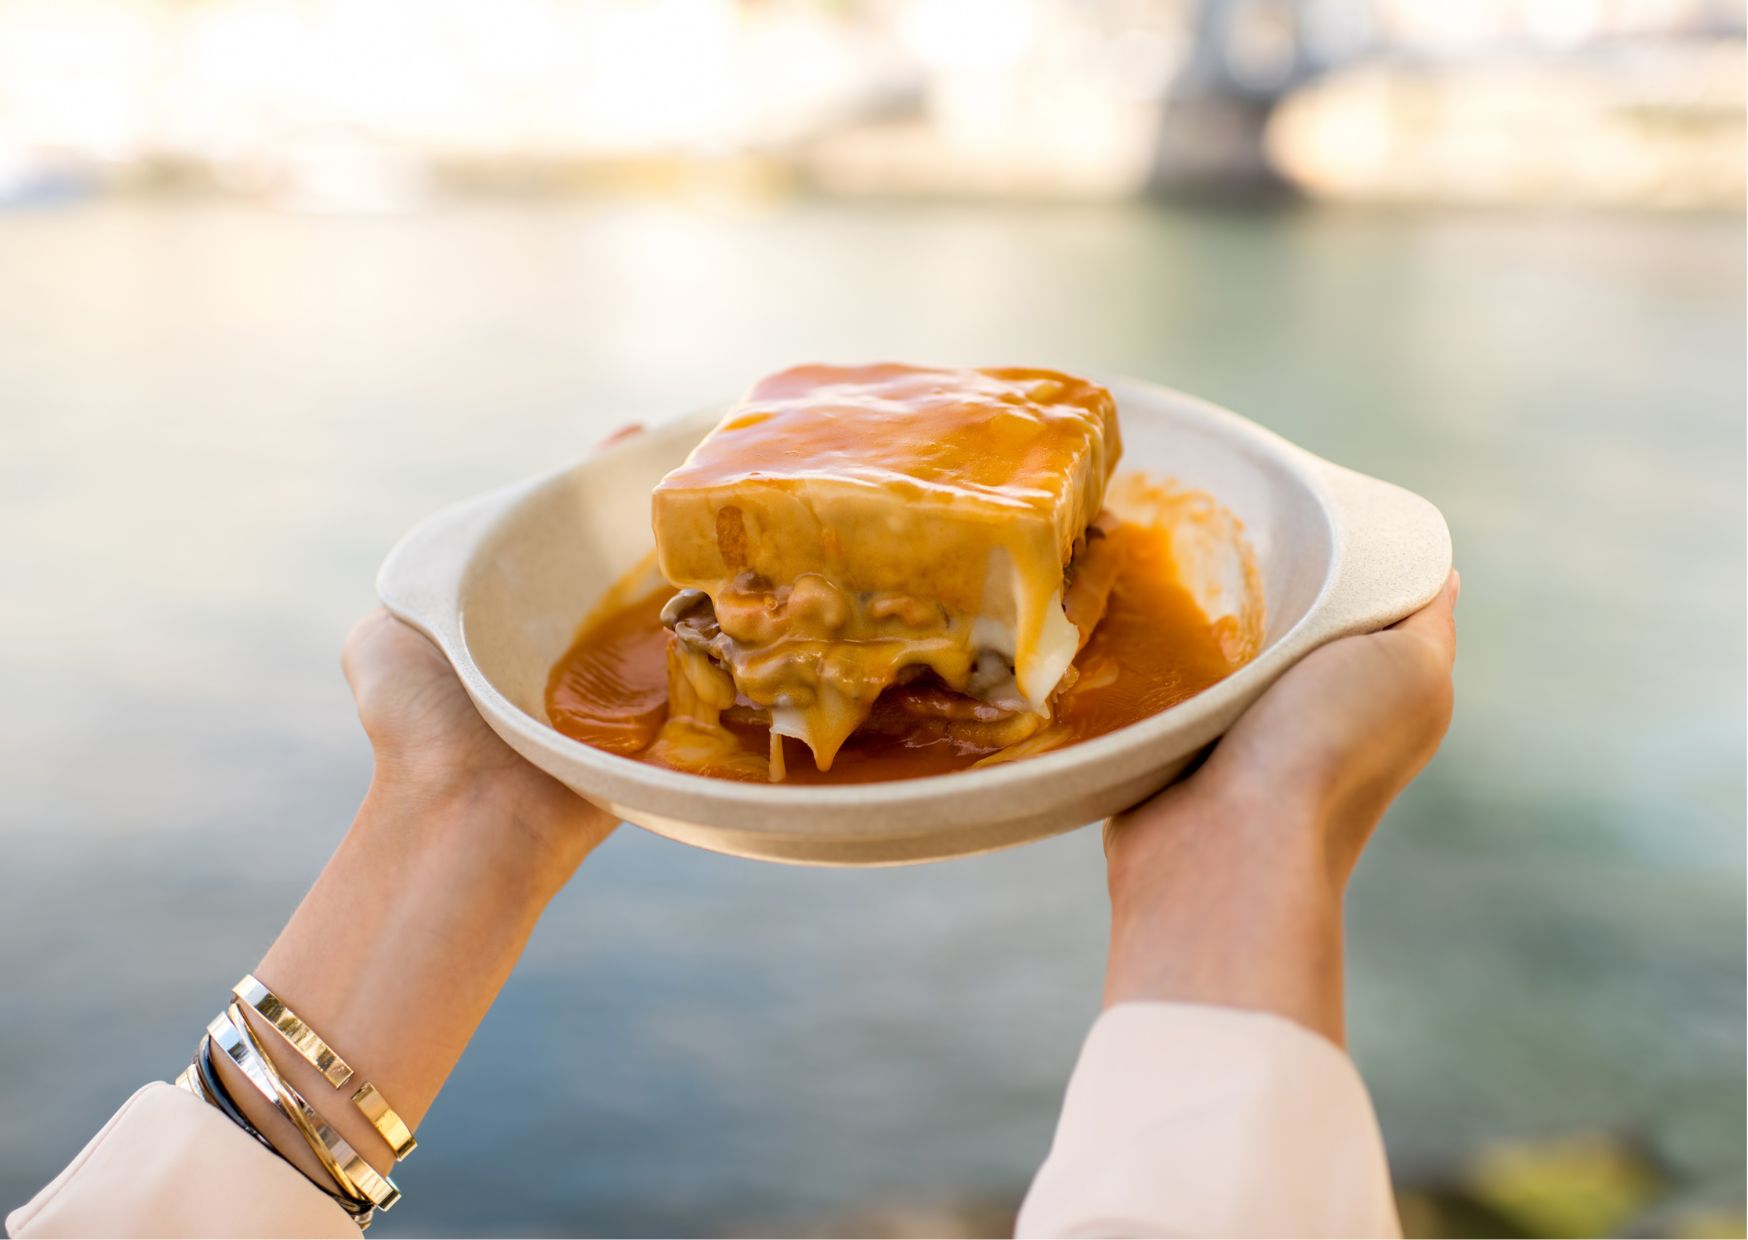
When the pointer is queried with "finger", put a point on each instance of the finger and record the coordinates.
(381, 648)
(620, 435)
(1437, 621)
(355, 661)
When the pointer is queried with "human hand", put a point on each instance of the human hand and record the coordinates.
(1344, 731)
(433, 748)
(1226, 888)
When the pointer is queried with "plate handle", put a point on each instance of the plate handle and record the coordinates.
(420, 580)
(1393, 551)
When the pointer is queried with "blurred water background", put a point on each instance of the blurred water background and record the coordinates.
(231, 376)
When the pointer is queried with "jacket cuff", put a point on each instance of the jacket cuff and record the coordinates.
(1188, 1119)
(167, 1164)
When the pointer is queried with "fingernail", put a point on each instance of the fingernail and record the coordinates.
(1456, 586)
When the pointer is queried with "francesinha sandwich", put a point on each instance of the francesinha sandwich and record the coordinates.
(892, 548)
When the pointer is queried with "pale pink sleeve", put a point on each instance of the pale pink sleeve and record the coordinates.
(168, 1164)
(1187, 1120)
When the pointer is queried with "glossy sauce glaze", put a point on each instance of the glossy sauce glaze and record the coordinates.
(1153, 649)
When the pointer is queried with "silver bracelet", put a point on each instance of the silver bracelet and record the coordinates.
(355, 1178)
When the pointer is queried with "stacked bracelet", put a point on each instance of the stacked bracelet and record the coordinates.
(356, 1178)
(357, 1186)
(320, 1056)
(203, 1082)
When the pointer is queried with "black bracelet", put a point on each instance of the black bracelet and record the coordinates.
(221, 1098)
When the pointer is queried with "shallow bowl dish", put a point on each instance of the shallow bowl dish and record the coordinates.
(502, 581)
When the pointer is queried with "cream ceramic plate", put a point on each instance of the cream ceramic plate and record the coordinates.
(502, 581)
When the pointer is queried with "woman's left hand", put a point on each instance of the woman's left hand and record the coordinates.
(432, 746)
(434, 751)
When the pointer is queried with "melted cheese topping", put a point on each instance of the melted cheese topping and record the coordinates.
(848, 524)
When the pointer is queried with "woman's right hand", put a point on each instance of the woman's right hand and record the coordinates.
(1226, 888)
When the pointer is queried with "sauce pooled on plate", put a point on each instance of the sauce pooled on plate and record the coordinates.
(1153, 648)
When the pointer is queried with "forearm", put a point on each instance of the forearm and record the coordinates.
(393, 959)
(1227, 904)
(399, 949)
(1203, 1104)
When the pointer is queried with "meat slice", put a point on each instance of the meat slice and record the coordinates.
(921, 708)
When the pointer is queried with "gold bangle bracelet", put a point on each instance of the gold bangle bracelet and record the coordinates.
(383, 1118)
(356, 1178)
(304, 1040)
(324, 1059)
(292, 1104)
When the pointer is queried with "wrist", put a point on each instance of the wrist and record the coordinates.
(1258, 846)
(1229, 901)
(415, 924)
(517, 817)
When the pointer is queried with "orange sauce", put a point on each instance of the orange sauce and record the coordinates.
(1153, 649)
